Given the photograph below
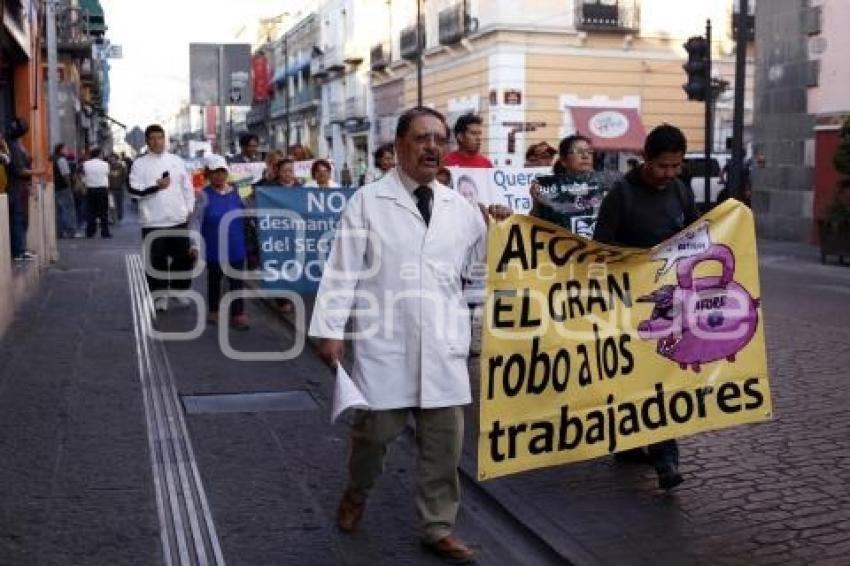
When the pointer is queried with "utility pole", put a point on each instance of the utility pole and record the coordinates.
(736, 168)
(419, 48)
(52, 72)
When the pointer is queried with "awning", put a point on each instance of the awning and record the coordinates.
(96, 19)
(610, 128)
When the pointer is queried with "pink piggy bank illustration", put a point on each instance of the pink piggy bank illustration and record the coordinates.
(701, 320)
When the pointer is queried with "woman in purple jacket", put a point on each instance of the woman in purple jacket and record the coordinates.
(212, 205)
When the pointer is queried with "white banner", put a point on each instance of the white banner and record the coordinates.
(500, 185)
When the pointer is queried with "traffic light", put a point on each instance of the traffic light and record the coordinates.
(699, 59)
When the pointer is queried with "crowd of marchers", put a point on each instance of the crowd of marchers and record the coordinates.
(412, 213)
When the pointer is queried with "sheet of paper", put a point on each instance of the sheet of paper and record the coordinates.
(346, 395)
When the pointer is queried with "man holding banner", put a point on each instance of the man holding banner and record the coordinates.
(395, 270)
(649, 205)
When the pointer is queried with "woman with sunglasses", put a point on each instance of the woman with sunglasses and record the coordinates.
(575, 160)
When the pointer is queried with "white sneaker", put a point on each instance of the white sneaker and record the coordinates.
(160, 304)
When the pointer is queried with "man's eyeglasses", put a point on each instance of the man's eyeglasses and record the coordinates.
(423, 139)
(582, 152)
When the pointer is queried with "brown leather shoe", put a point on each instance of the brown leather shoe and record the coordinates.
(452, 550)
(350, 511)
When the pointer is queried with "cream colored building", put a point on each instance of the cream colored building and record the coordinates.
(542, 69)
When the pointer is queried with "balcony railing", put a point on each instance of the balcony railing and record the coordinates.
(72, 32)
(334, 60)
(277, 107)
(408, 42)
(454, 24)
(379, 57)
(385, 127)
(355, 108)
(317, 67)
(258, 113)
(336, 111)
(309, 95)
(622, 16)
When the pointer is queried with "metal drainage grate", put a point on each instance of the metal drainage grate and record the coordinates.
(249, 402)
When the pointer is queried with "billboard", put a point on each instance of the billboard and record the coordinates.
(204, 77)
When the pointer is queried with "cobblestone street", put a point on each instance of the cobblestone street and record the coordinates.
(771, 493)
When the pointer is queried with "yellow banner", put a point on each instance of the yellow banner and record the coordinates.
(591, 349)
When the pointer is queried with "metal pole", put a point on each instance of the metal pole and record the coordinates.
(736, 168)
(52, 72)
(709, 102)
(419, 52)
(286, 93)
(222, 127)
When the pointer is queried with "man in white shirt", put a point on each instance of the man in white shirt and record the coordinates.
(404, 242)
(96, 178)
(161, 185)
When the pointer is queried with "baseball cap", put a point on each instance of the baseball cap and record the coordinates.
(214, 162)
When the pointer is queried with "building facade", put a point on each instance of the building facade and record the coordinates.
(828, 43)
(784, 128)
(297, 95)
(341, 64)
(802, 98)
(83, 89)
(608, 69)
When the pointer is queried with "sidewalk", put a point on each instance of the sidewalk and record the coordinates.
(76, 483)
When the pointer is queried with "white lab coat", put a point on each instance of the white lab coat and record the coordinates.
(399, 282)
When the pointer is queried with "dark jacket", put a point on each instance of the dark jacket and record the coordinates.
(636, 215)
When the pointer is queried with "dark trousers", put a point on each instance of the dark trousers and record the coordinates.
(664, 452)
(169, 253)
(66, 217)
(17, 231)
(215, 275)
(118, 195)
(97, 202)
(80, 209)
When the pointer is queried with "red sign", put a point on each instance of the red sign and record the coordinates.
(261, 75)
(210, 115)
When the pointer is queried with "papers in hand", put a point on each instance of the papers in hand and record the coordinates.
(346, 395)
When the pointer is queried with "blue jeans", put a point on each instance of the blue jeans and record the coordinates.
(17, 231)
(66, 214)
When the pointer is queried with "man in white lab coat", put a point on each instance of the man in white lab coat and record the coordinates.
(403, 244)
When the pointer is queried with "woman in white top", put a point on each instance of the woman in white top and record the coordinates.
(384, 162)
(320, 171)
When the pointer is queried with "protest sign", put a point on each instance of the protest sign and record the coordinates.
(296, 228)
(500, 185)
(590, 349)
(571, 201)
(244, 175)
